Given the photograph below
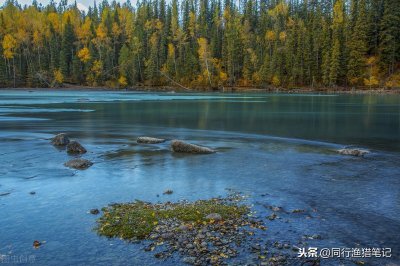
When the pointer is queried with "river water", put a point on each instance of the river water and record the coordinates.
(277, 148)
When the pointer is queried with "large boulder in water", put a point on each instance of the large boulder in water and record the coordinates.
(353, 152)
(181, 146)
(79, 163)
(60, 140)
(75, 147)
(149, 140)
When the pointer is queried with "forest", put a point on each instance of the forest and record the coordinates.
(202, 44)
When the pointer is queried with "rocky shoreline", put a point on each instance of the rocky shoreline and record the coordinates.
(171, 89)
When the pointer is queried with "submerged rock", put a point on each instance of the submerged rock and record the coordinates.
(60, 140)
(272, 217)
(149, 140)
(75, 147)
(94, 211)
(181, 146)
(168, 192)
(79, 163)
(353, 152)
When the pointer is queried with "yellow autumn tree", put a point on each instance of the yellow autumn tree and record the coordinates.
(9, 45)
(270, 36)
(372, 80)
(122, 81)
(204, 56)
(275, 81)
(58, 77)
(84, 54)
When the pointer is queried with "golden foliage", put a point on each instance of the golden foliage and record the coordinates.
(97, 67)
(203, 48)
(116, 30)
(83, 32)
(223, 76)
(9, 45)
(84, 54)
(101, 32)
(54, 19)
(372, 81)
(171, 50)
(275, 81)
(58, 76)
(282, 36)
(393, 81)
(280, 9)
(270, 36)
(122, 81)
(338, 14)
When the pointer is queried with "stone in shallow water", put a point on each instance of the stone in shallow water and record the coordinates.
(181, 146)
(214, 216)
(149, 140)
(60, 140)
(94, 211)
(353, 152)
(75, 147)
(80, 164)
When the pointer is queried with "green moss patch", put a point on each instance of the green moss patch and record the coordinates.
(138, 219)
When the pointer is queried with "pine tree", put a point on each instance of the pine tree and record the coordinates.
(326, 53)
(67, 49)
(336, 64)
(358, 46)
(389, 48)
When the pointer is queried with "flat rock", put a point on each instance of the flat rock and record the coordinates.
(353, 152)
(75, 147)
(184, 147)
(60, 140)
(149, 140)
(79, 163)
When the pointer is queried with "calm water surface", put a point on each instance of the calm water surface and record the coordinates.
(279, 149)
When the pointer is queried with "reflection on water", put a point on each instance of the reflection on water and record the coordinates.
(280, 149)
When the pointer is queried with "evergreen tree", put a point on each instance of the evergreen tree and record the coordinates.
(67, 49)
(358, 46)
(389, 48)
(336, 64)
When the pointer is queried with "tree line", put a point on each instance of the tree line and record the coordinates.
(201, 43)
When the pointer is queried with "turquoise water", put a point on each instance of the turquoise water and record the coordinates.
(279, 149)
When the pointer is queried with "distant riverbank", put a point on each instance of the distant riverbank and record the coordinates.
(172, 89)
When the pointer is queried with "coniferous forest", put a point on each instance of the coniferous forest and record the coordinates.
(204, 44)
